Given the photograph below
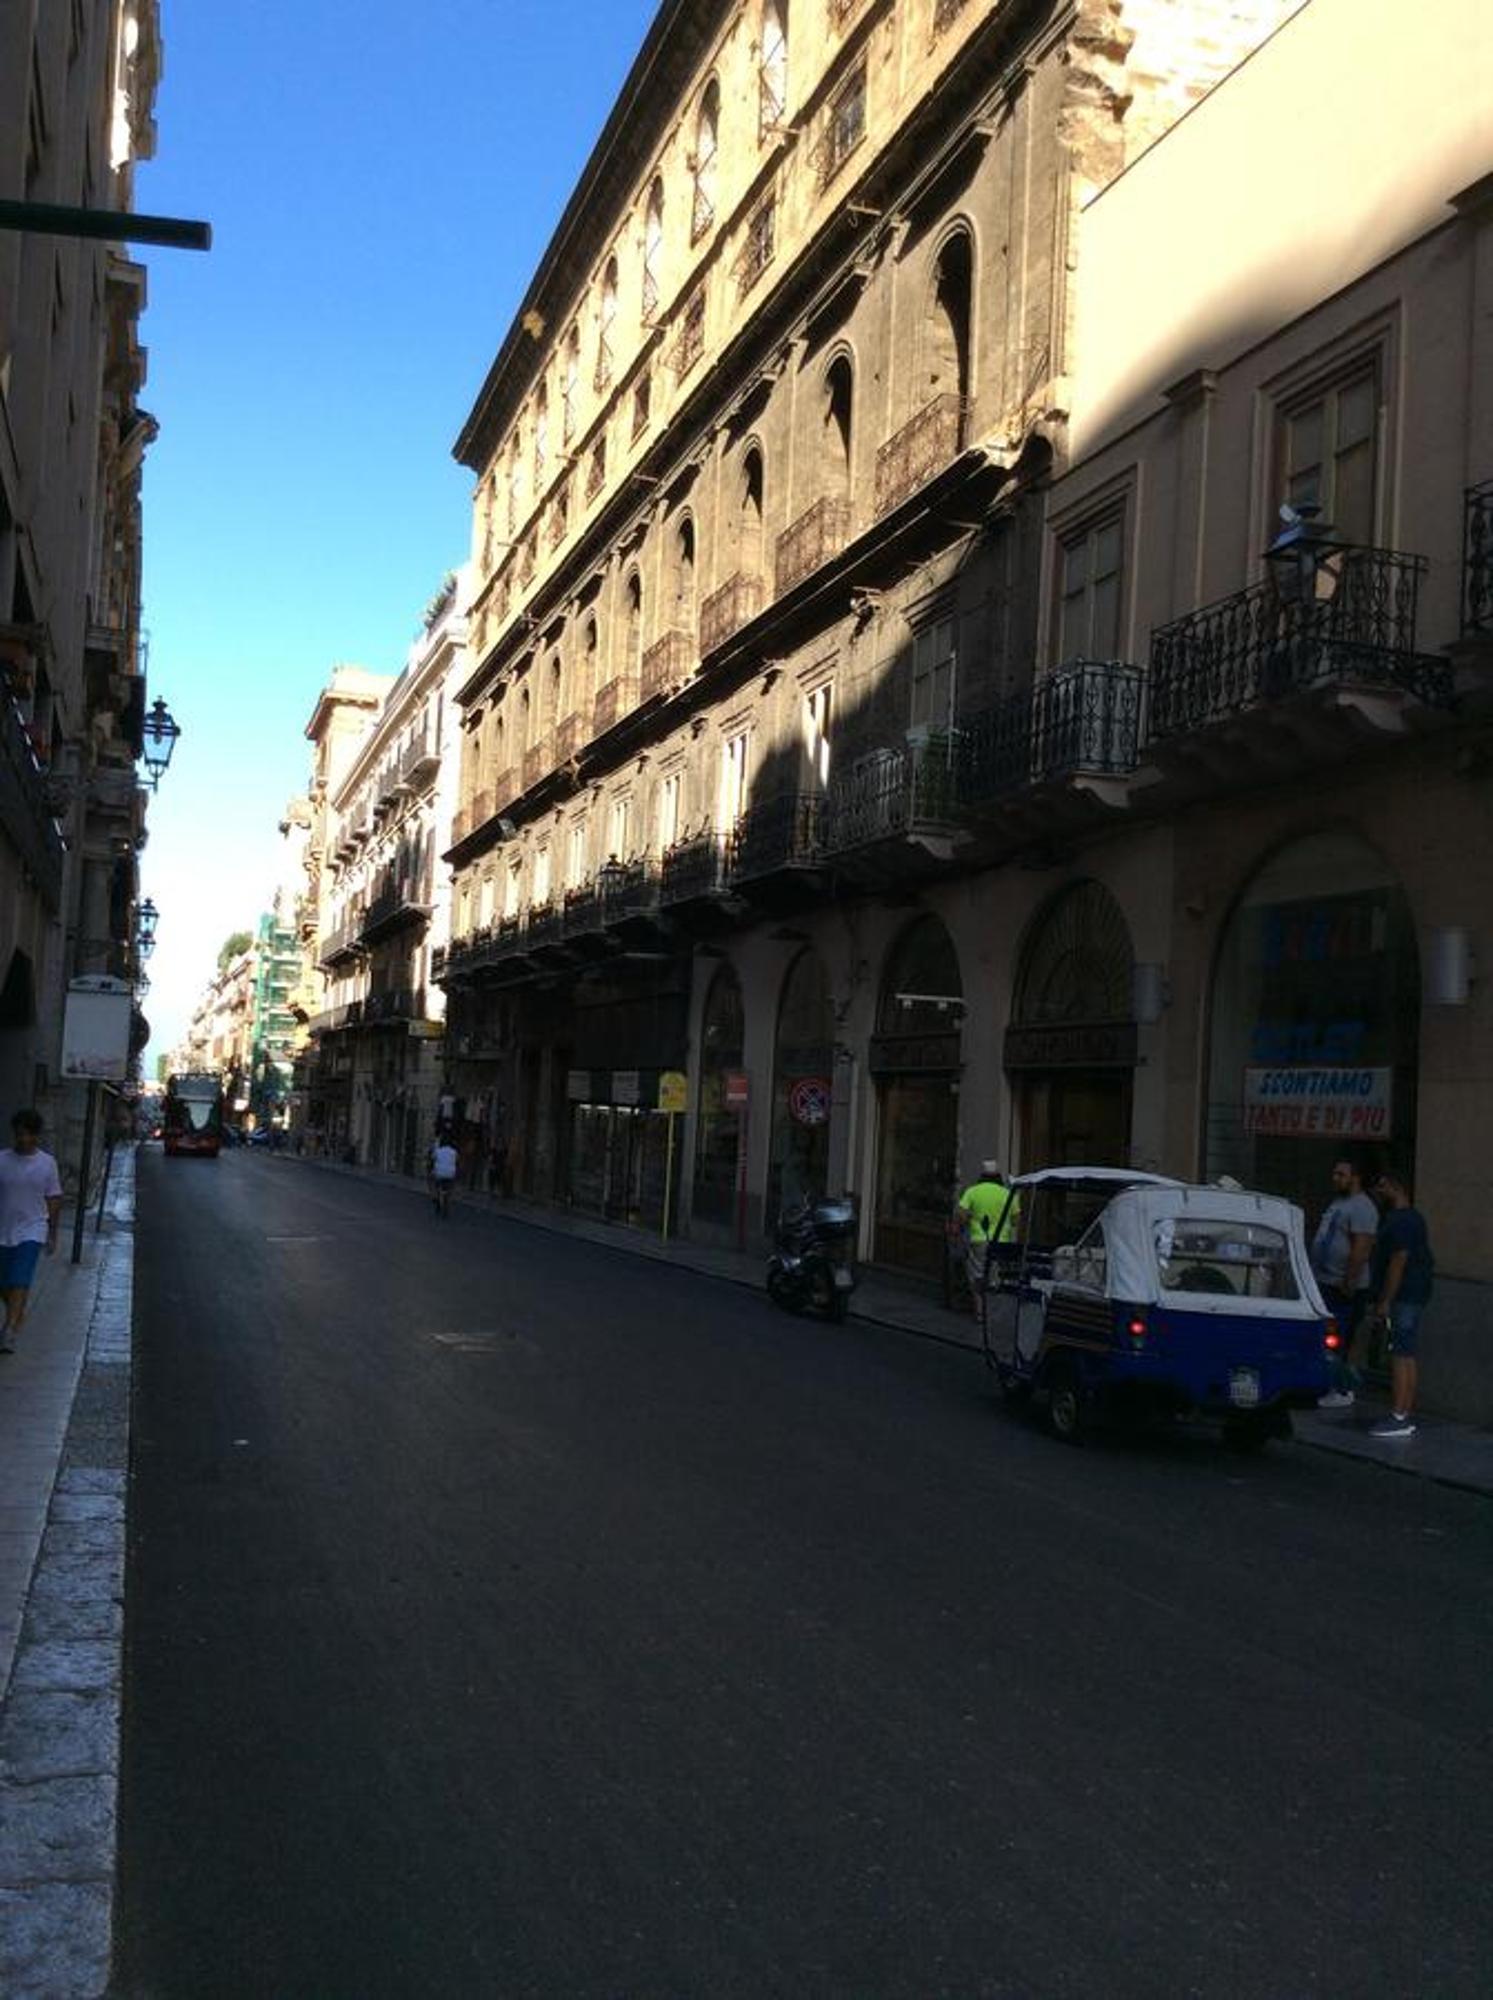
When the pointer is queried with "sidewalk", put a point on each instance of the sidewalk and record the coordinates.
(1451, 1453)
(64, 1442)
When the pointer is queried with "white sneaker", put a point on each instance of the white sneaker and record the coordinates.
(1336, 1399)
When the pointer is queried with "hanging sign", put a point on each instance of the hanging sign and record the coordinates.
(808, 1100)
(96, 1029)
(1303, 1101)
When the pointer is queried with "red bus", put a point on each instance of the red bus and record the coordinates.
(193, 1115)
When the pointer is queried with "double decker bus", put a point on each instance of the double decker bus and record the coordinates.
(192, 1120)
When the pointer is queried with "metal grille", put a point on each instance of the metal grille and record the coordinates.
(667, 662)
(692, 868)
(891, 793)
(726, 610)
(785, 832)
(1477, 559)
(1082, 719)
(923, 447)
(817, 535)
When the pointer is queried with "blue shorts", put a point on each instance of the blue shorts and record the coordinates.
(1404, 1328)
(18, 1264)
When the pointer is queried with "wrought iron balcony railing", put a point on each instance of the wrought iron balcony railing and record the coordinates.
(582, 910)
(421, 760)
(668, 662)
(438, 957)
(923, 447)
(693, 869)
(627, 889)
(726, 610)
(777, 835)
(395, 1003)
(539, 760)
(815, 537)
(396, 903)
(893, 792)
(1255, 648)
(545, 925)
(1081, 720)
(613, 701)
(570, 739)
(341, 943)
(1477, 560)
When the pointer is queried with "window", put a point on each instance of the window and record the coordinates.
(653, 243)
(1090, 579)
(839, 407)
(933, 666)
(1328, 452)
(634, 602)
(756, 252)
(772, 68)
(570, 380)
(1232, 1259)
(642, 397)
(515, 479)
(684, 576)
(542, 890)
(749, 530)
(733, 781)
(707, 149)
(670, 810)
(845, 123)
(606, 321)
(816, 734)
(511, 889)
(596, 471)
(575, 865)
(619, 830)
(541, 435)
(947, 327)
(690, 344)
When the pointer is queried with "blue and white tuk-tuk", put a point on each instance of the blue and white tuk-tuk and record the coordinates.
(1125, 1292)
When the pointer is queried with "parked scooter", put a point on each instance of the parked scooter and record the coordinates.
(812, 1268)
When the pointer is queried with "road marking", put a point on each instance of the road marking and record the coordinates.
(295, 1239)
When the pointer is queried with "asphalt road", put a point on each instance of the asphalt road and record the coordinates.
(510, 1616)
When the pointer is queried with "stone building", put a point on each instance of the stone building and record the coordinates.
(383, 907)
(764, 712)
(77, 88)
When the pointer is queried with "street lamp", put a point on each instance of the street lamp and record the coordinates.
(146, 919)
(158, 735)
(1305, 560)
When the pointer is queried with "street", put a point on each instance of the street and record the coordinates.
(509, 1616)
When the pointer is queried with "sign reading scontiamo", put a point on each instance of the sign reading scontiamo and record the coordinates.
(1301, 1101)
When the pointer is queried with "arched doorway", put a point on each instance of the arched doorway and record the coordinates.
(915, 1059)
(803, 1065)
(1314, 1042)
(1071, 1046)
(718, 1128)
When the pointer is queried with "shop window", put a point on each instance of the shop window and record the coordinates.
(915, 1058)
(1091, 570)
(718, 1128)
(803, 1064)
(1328, 450)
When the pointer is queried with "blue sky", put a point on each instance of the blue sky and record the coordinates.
(381, 180)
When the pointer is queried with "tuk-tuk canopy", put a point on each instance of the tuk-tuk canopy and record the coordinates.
(1201, 1249)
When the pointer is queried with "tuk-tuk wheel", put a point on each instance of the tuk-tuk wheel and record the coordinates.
(1250, 1434)
(1065, 1403)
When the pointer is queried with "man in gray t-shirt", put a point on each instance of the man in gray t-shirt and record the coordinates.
(1342, 1257)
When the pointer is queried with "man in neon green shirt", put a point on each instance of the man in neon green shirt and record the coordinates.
(989, 1212)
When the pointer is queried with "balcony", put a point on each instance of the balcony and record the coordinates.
(693, 870)
(1081, 721)
(582, 912)
(420, 762)
(1477, 562)
(726, 610)
(895, 810)
(629, 893)
(922, 448)
(341, 946)
(546, 930)
(393, 906)
(570, 739)
(539, 760)
(667, 664)
(815, 538)
(25, 811)
(1250, 659)
(394, 1006)
(777, 839)
(614, 699)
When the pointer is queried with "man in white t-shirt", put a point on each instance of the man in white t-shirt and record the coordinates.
(444, 1163)
(30, 1203)
(1342, 1255)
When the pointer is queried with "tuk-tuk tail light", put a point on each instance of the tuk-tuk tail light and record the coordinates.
(1332, 1340)
(1137, 1328)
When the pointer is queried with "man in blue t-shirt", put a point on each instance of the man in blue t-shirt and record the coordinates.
(1403, 1271)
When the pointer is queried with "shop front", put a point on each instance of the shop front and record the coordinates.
(720, 1126)
(803, 1061)
(615, 1130)
(915, 1061)
(1314, 1042)
(1071, 1046)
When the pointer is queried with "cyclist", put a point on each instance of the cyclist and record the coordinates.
(443, 1166)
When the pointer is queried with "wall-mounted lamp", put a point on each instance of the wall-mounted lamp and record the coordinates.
(158, 736)
(1150, 992)
(1449, 967)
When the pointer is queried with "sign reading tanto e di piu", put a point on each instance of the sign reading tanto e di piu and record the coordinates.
(1304, 1101)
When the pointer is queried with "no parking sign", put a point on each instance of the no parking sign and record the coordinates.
(808, 1100)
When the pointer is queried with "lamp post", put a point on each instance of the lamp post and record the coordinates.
(158, 736)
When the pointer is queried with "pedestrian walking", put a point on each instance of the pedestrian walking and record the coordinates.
(1342, 1255)
(30, 1204)
(445, 1162)
(1404, 1269)
(988, 1211)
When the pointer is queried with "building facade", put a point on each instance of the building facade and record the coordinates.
(383, 908)
(762, 469)
(77, 88)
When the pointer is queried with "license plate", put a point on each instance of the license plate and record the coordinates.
(843, 1281)
(1244, 1388)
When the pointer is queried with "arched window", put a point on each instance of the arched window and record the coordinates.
(633, 598)
(541, 434)
(749, 525)
(839, 404)
(772, 71)
(525, 722)
(570, 382)
(684, 575)
(590, 653)
(606, 322)
(947, 342)
(556, 692)
(653, 247)
(705, 160)
(515, 479)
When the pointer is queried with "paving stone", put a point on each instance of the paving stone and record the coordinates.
(75, 1666)
(54, 1941)
(87, 1507)
(91, 1479)
(49, 1619)
(60, 1830)
(45, 1734)
(69, 1538)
